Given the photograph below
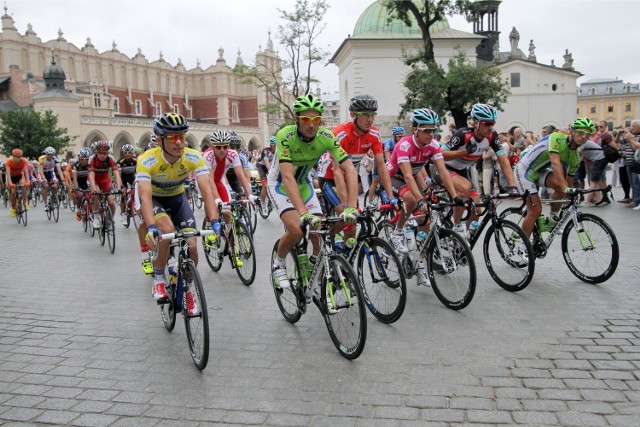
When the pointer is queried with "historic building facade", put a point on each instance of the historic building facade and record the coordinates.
(612, 100)
(110, 96)
(371, 61)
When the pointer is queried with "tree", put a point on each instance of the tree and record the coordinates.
(298, 36)
(426, 14)
(32, 131)
(457, 90)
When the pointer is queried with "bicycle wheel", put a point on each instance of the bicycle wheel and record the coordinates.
(245, 215)
(56, 206)
(197, 326)
(189, 196)
(288, 299)
(515, 215)
(102, 231)
(24, 217)
(213, 250)
(49, 208)
(33, 197)
(62, 196)
(198, 200)
(72, 204)
(84, 214)
(243, 251)
(168, 309)
(110, 230)
(383, 283)
(509, 256)
(591, 252)
(347, 324)
(451, 268)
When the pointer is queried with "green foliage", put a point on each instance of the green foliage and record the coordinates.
(426, 14)
(297, 36)
(32, 131)
(454, 91)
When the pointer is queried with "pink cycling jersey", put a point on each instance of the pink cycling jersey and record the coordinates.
(407, 150)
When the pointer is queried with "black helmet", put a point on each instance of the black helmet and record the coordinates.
(363, 103)
(170, 122)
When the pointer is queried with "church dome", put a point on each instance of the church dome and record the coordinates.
(373, 23)
(53, 72)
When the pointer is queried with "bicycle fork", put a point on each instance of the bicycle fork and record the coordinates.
(334, 276)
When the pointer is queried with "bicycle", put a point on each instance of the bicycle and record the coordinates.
(379, 270)
(63, 195)
(267, 201)
(85, 210)
(35, 193)
(330, 281)
(107, 230)
(450, 263)
(234, 241)
(186, 278)
(191, 195)
(595, 243)
(53, 205)
(129, 208)
(509, 260)
(21, 212)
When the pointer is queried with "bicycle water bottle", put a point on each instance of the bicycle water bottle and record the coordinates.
(410, 237)
(420, 238)
(473, 227)
(172, 265)
(303, 262)
(339, 243)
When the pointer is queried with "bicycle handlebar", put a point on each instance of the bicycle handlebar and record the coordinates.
(185, 234)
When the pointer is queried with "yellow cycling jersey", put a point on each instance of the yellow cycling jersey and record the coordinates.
(167, 179)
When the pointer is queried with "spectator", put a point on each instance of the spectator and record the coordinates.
(488, 160)
(632, 138)
(529, 139)
(592, 153)
(622, 168)
(546, 130)
(518, 137)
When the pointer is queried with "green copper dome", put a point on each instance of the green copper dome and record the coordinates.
(373, 23)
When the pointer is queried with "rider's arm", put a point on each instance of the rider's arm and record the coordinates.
(243, 179)
(351, 178)
(506, 169)
(383, 173)
(209, 195)
(146, 205)
(290, 184)
(74, 176)
(445, 177)
(341, 184)
(92, 180)
(558, 170)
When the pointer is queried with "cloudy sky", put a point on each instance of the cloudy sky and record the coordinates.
(599, 33)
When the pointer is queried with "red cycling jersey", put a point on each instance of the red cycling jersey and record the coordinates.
(357, 145)
(100, 168)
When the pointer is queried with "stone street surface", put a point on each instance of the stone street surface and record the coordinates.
(82, 343)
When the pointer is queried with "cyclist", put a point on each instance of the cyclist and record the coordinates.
(100, 179)
(356, 137)
(465, 148)
(543, 165)
(298, 148)
(17, 171)
(407, 168)
(235, 145)
(264, 162)
(397, 133)
(80, 175)
(161, 173)
(49, 166)
(127, 166)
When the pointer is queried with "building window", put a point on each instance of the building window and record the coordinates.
(234, 112)
(627, 107)
(577, 111)
(158, 108)
(138, 107)
(515, 79)
(592, 110)
(610, 108)
(627, 88)
(176, 109)
(116, 105)
(592, 91)
(627, 123)
(274, 108)
(97, 100)
(609, 90)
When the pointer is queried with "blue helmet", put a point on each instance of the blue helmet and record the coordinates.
(398, 130)
(425, 116)
(484, 112)
(272, 140)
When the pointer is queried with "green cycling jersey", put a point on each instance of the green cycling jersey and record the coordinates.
(536, 158)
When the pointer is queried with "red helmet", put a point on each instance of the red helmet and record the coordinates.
(103, 146)
(16, 152)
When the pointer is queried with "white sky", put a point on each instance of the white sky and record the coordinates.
(599, 33)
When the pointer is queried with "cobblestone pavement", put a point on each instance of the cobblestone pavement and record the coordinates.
(82, 343)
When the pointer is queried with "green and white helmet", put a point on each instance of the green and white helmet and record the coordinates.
(307, 102)
(583, 123)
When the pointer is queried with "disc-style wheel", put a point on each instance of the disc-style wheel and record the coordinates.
(590, 249)
(197, 326)
(451, 268)
(287, 299)
(342, 305)
(212, 250)
(110, 230)
(508, 256)
(244, 253)
(380, 274)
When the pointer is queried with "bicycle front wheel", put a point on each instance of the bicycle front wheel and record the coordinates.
(590, 249)
(288, 299)
(102, 232)
(49, 208)
(212, 250)
(84, 214)
(451, 268)
(168, 309)
(197, 326)
(243, 254)
(55, 203)
(509, 256)
(342, 305)
(110, 230)
(383, 283)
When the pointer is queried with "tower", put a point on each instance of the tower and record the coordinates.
(486, 24)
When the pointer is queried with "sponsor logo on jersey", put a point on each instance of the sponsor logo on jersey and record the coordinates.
(194, 157)
(150, 161)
